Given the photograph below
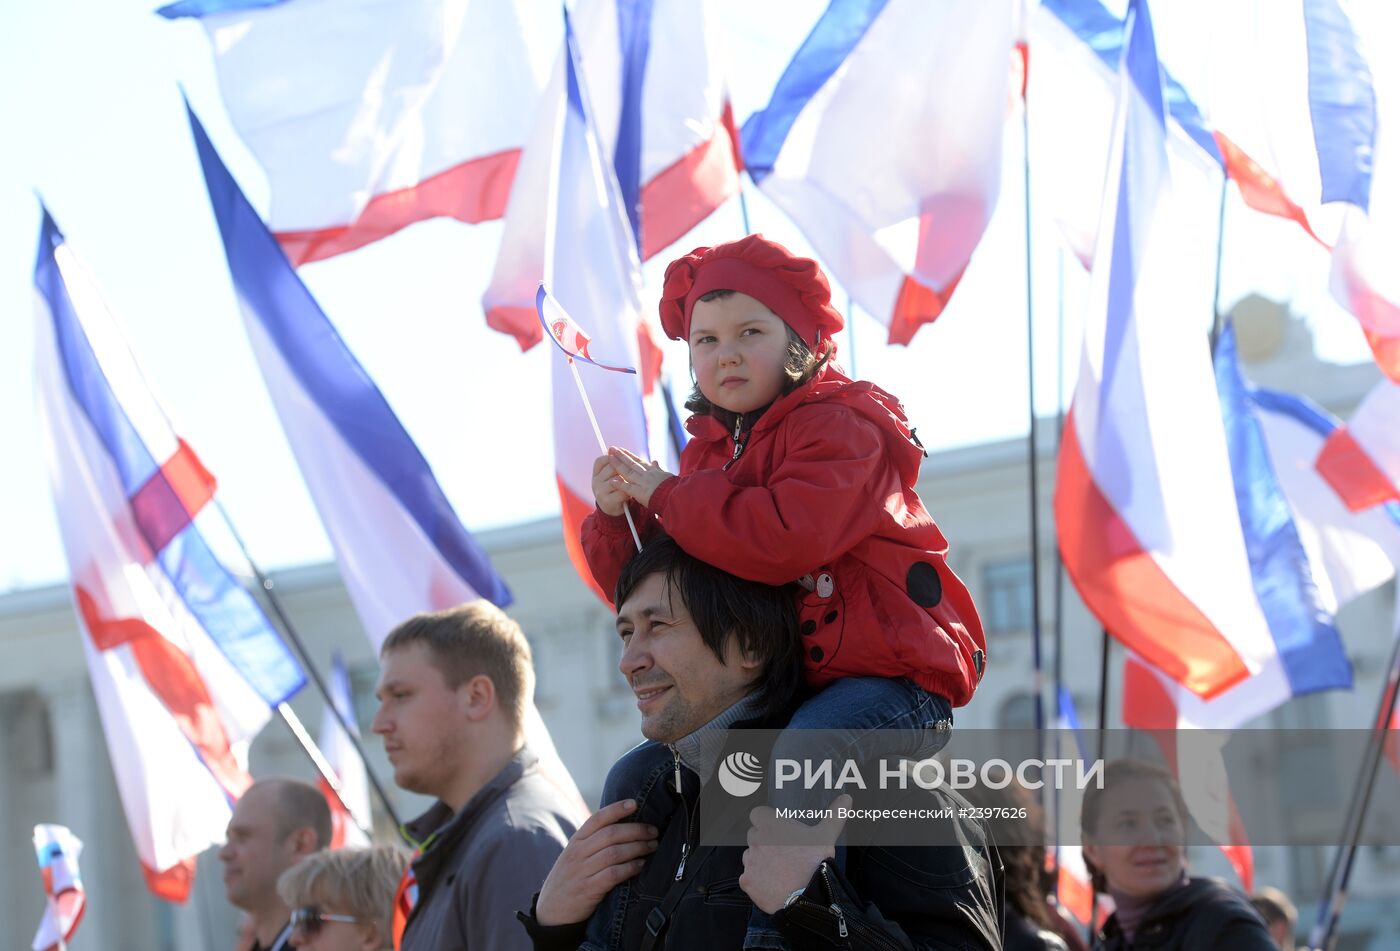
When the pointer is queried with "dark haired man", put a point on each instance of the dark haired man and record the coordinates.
(705, 651)
(453, 690)
(275, 824)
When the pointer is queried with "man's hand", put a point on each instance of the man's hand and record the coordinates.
(639, 477)
(607, 487)
(602, 853)
(773, 871)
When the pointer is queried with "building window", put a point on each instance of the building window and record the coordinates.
(1006, 596)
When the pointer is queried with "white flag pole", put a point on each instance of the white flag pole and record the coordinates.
(602, 443)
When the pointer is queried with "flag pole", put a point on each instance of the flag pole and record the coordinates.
(1218, 323)
(602, 444)
(288, 715)
(1324, 934)
(1031, 460)
(1057, 598)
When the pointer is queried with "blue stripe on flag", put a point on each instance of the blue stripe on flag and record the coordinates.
(203, 8)
(83, 373)
(1070, 718)
(232, 618)
(1343, 104)
(226, 611)
(821, 54)
(1102, 32)
(332, 378)
(1309, 646)
(634, 40)
(1309, 414)
(1140, 62)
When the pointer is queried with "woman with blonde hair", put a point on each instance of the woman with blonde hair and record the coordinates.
(343, 900)
(1134, 833)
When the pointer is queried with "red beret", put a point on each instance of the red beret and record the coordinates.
(793, 288)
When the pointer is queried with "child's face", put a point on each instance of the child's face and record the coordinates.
(737, 351)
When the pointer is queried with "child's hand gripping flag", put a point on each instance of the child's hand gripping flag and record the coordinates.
(567, 334)
(569, 337)
(57, 850)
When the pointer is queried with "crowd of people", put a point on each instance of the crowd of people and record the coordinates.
(791, 580)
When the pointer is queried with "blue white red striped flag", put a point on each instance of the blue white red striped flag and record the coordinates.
(591, 268)
(57, 850)
(1146, 515)
(185, 667)
(399, 544)
(660, 111)
(373, 116)
(882, 142)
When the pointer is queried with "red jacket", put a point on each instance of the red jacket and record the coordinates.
(823, 493)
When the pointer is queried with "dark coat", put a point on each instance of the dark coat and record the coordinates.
(479, 865)
(906, 898)
(1202, 915)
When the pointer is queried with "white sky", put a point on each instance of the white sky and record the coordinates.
(93, 118)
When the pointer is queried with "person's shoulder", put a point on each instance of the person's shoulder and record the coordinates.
(535, 803)
(1211, 906)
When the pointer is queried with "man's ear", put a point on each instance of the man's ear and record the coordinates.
(477, 697)
(372, 938)
(304, 841)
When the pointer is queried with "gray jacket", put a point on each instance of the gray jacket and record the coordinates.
(478, 866)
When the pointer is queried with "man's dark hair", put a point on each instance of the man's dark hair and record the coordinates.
(762, 617)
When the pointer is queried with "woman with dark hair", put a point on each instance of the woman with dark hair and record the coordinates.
(1134, 833)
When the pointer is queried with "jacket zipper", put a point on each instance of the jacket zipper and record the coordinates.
(835, 908)
(689, 819)
(738, 441)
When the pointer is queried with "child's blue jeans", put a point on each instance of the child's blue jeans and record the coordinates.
(860, 718)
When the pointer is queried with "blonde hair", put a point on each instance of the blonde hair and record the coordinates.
(357, 882)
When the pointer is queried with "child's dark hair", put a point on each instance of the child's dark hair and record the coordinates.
(799, 367)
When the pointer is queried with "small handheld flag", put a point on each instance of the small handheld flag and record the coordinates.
(565, 331)
(569, 337)
(57, 850)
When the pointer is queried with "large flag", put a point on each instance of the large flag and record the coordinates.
(350, 811)
(185, 667)
(374, 114)
(882, 142)
(661, 114)
(57, 850)
(591, 269)
(1361, 460)
(398, 542)
(1147, 521)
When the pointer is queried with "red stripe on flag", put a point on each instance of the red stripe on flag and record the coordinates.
(1076, 895)
(172, 497)
(1387, 353)
(1260, 190)
(522, 323)
(471, 192)
(1352, 474)
(573, 510)
(1127, 590)
(1147, 705)
(175, 680)
(174, 883)
(915, 306)
(682, 195)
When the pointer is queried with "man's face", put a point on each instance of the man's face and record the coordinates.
(680, 684)
(256, 852)
(422, 721)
